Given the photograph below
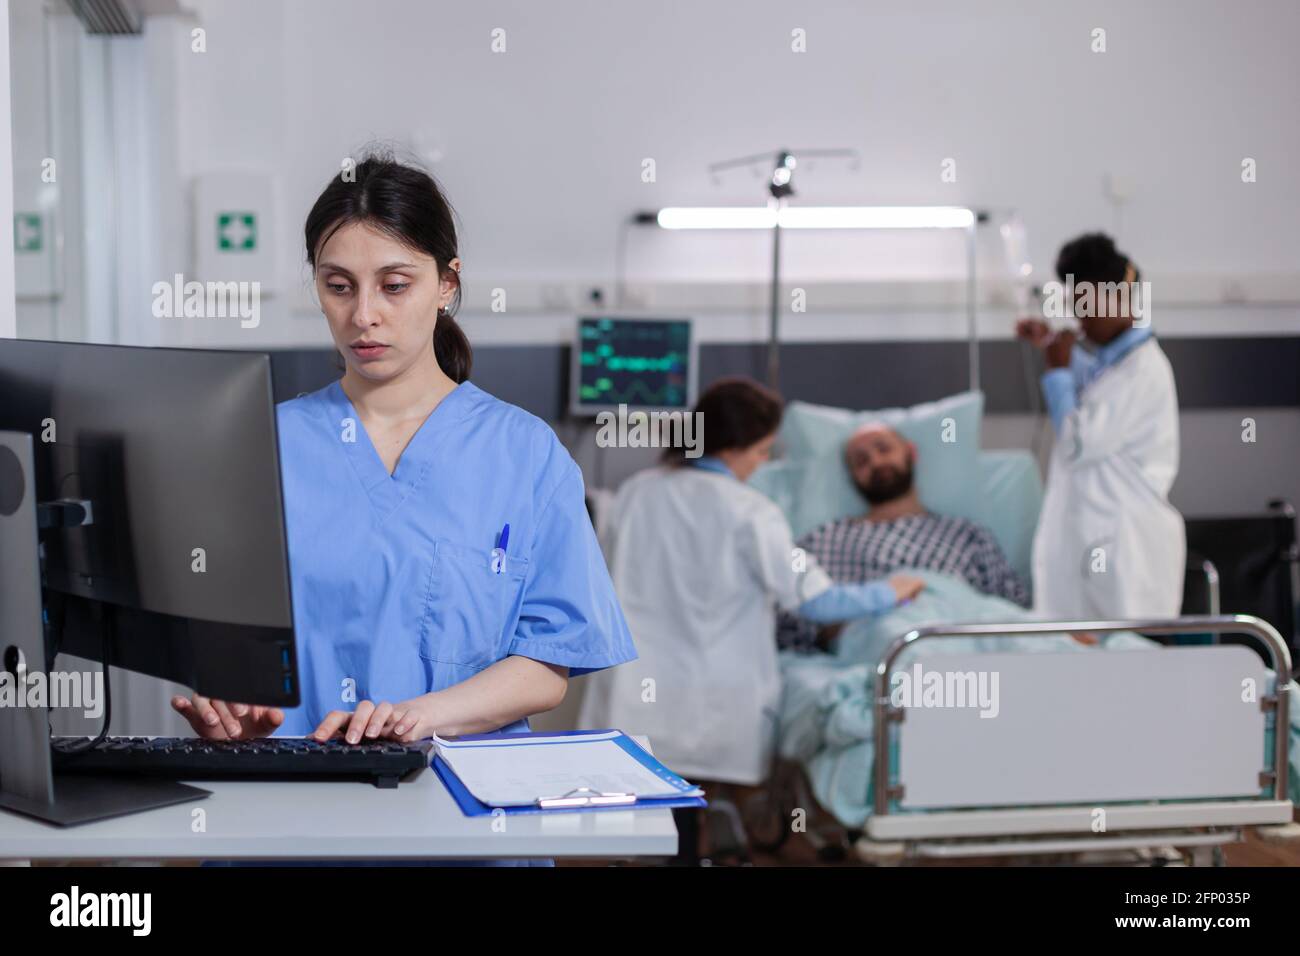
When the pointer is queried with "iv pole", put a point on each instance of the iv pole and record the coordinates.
(773, 330)
(780, 187)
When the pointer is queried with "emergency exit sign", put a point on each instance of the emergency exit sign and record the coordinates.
(28, 235)
(236, 231)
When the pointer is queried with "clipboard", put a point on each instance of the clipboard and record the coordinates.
(471, 806)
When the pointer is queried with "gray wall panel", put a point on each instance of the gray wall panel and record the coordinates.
(1257, 372)
(1220, 382)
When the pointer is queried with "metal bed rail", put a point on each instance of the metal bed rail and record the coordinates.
(885, 714)
(1207, 570)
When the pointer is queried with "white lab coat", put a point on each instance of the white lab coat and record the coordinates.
(700, 563)
(1109, 544)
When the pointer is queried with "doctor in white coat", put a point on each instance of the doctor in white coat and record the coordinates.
(700, 563)
(1109, 544)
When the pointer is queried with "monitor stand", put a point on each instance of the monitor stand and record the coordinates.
(28, 783)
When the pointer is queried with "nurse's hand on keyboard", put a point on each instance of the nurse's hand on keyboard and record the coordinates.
(407, 721)
(221, 720)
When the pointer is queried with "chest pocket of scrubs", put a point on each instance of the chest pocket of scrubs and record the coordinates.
(472, 609)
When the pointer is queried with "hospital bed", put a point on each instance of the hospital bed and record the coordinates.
(1187, 747)
(1109, 755)
(1161, 752)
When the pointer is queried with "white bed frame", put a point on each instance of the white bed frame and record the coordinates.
(1087, 749)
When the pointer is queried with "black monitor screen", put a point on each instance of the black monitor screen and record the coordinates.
(183, 570)
(647, 363)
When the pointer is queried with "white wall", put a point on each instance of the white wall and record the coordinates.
(540, 147)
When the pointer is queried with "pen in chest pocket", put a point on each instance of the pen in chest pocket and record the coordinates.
(499, 552)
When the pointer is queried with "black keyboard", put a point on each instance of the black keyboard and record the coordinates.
(383, 763)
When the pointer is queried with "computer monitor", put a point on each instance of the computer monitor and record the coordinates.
(641, 363)
(184, 564)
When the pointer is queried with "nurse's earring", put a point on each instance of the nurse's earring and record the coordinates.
(442, 309)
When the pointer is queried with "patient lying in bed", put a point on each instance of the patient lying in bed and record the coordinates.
(897, 534)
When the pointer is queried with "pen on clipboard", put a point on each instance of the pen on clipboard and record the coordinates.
(586, 797)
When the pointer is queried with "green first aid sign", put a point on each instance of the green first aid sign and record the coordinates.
(28, 235)
(236, 231)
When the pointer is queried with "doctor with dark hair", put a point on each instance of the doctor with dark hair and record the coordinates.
(1109, 544)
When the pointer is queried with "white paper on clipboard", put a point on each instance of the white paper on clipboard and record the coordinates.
(504, 772)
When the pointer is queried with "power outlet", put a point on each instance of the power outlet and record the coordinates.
(555, 298)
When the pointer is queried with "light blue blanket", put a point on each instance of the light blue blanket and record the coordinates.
(826, 708)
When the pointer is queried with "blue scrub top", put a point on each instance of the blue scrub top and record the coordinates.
(394, 589)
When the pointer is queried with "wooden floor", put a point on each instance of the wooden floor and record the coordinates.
(1253, 852)
(799, 850)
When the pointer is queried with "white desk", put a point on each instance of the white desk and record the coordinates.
(339, 820)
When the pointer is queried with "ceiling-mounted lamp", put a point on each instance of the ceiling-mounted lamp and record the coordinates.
(781, 184)
(777, 216)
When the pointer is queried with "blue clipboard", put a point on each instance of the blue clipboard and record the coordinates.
(471, 806)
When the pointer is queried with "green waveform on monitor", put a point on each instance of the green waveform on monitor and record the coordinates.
(635, 363)
(644, 363)
(638, 393)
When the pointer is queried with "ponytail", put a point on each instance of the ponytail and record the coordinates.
(452, 348)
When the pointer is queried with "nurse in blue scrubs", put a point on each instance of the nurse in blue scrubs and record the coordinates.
(446, 577)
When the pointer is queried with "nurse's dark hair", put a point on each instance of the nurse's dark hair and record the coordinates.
(405, 202)
(736, 413)
(1093, 258)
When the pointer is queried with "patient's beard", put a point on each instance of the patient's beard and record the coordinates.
(887, 484)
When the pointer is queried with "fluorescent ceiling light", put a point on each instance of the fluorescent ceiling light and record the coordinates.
(816, 217)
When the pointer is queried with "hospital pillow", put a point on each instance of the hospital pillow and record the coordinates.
(947, 438)
(811, 492)
(1006, 496)
(809, 430)
(1013, 496)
